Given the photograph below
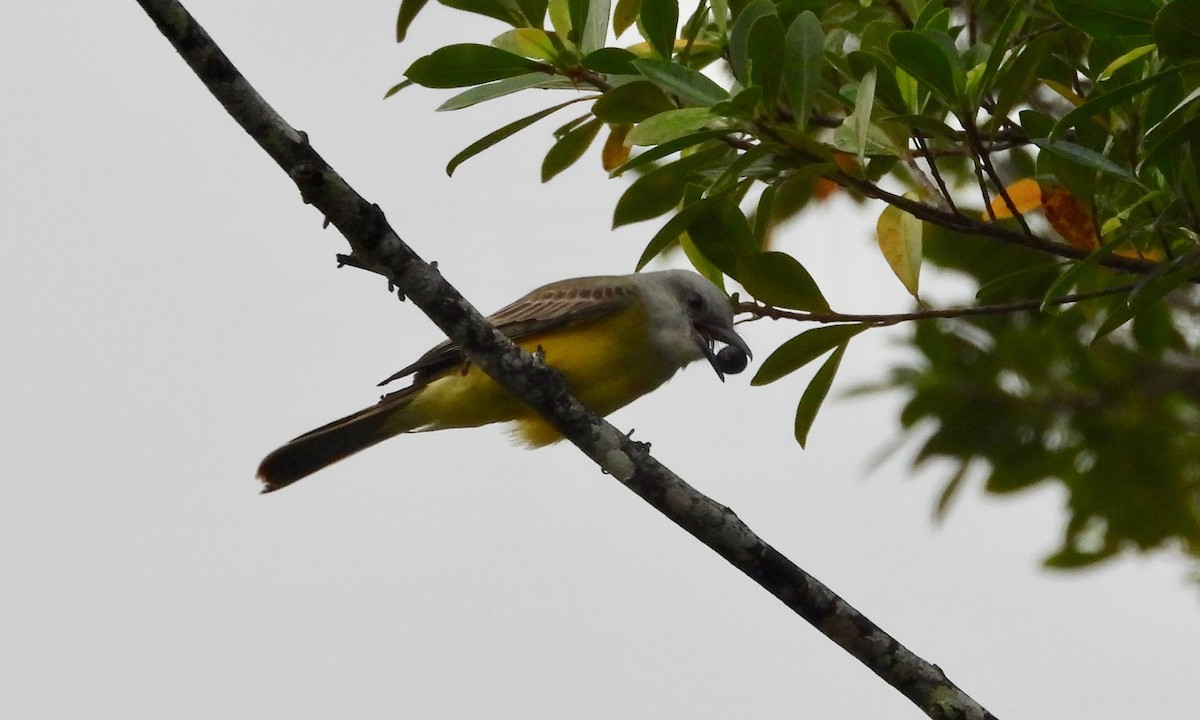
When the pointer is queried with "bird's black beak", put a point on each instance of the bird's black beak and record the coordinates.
(707, 335)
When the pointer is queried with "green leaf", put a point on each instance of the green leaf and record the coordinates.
(764, 213)
(1067, 281)
(1015, 77)
(742, 106)
(1112, 68)
(1101, 102)
(397, 88)
(899, 236)
(595, 26)
(500, 88)
(933, 15)
(670, 125)
(670, 232)
(779, 280)
(1176, 30)
(625, 15)
(766, 41)
(1013, 21)
(950, 492)
(864, 101)
(690, 86)
(528, 42)
(615, 61)
(739, 38)
(1086, 157)
(408, 13)
(667, 148)
(803, 349)
(927, 124)
(886, 88)
(720, 11)
(1160, 143)
(632, 102)
(926, 60)
(1178, 127)
(468, 64)
(661, 189)
(736, 170)
(502, 10)
(815, 394)
(1153, 288)
(804, 61)
(660, 22)
(560, 20)
(496, 136)
(1018, 281)
(569, 148)
(701, 263)
(533, 10)
(722, 234)
(577, 11)
(875, 143)
(1108, 18)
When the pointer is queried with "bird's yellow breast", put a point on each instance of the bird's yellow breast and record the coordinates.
(607, 362)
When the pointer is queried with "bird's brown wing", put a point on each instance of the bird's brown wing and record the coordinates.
(567, 302)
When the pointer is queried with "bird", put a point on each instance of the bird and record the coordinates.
(614, 338)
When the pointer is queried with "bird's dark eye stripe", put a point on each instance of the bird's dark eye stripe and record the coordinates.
(694, 301)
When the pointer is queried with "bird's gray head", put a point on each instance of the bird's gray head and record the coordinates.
(708, 312)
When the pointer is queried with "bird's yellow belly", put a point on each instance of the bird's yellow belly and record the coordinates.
(607, 364)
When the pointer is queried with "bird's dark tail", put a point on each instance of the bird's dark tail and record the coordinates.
(339, 439)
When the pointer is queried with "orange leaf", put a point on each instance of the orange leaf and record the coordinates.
(1069, 217)
(1026, 195)
(615, 151)
(824, 188)
(845, 162)
(1155, 254)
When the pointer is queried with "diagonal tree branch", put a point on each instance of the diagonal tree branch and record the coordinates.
(377, 247)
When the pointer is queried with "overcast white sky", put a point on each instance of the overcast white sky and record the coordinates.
(172, 313)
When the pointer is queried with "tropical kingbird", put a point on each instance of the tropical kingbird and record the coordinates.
(614, 339)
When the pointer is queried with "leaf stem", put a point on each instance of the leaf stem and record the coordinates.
(759, 311)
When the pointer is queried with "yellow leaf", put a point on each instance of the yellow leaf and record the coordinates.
(527, 42)
(1069, 217)
(615, 151)
(1067, 93)
(644, 50)
(1124, 60)
(899, 236)
(1026, 195)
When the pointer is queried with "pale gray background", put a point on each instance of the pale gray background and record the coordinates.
(172, 312)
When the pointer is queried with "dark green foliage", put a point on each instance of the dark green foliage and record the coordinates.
(1027, 400)
(737, 116)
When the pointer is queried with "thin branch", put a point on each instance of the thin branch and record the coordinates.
(958, 151)
(933, 169)
(766, 311)
(968, 225)
(379, 248)
(898, 9)
(984, 161)
(1022, 40)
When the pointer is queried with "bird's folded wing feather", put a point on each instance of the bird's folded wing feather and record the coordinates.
(551, 307)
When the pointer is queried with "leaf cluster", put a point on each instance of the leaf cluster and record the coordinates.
(1041, 147)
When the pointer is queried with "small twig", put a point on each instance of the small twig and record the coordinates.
(898, 9)
(985, 161)
(933, 169)
(960, 151)
(1021, 40)
(766, 311)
